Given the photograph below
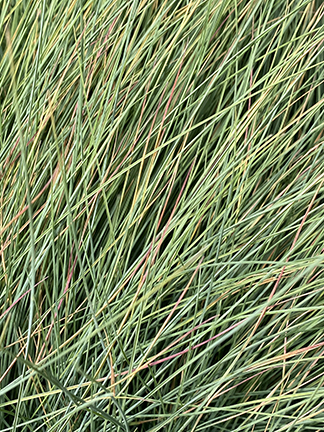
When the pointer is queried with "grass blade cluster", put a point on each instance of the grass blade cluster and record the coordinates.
(161, 214)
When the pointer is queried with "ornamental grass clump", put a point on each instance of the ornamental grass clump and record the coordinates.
(161, 216)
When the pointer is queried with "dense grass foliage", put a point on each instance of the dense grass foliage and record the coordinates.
(161, 215)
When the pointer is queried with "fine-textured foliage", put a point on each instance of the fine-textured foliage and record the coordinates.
(161, 215)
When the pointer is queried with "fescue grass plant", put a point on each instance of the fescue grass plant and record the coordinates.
(161, 215)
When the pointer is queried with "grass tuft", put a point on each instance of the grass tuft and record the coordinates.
(161, 212)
